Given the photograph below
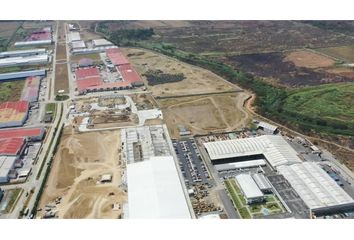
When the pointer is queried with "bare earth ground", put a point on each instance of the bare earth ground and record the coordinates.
(80, 161)
(204, 114)
(197, 80)
(61, 52)
(61, 78)
(309, 59)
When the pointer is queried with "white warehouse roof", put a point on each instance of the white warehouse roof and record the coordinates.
(248, 186)
(155, 190)
(23, 52)
(236, 165)
(30, 43)
(101, 42)
(275, 149)
(267, 126)
(78, 44)
(23, 74)
(314, 185)
(13, 61)
(261, 181)
(74, 36)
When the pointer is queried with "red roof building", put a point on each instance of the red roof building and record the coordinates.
(116, 56)
(130, 75)
(13, 114)
(11, 146)
(83, 84)
(31, 133)
(82, 73)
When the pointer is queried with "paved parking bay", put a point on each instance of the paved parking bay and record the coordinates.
(228, 205)
(289, 195)
(191, 163)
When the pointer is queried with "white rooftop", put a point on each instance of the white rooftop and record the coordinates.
(27, 51)
(274, 147)
(101, 42)
(267, 126)
(155, 190)
(78, 44)
(248, 186)
(74, 36)
(314, 185)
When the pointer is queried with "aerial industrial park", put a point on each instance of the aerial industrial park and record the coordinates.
(95, 127)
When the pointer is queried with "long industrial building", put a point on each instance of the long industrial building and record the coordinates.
(31, 89)
(314, 185)
(13, 114)
(272, 148)
(22, 74)
(7, 165)
(32, 134)
(23, 53)
(239, 165)
(33, 43)
(21, 61)
(155, 190)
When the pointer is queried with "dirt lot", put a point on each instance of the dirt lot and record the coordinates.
(275, 68)
(108, 119)
(7, 28)
(204, 114)
(196, 80)
(61, 78)
(77, 168)
(143, 101)
(61, 52)
(309, 59)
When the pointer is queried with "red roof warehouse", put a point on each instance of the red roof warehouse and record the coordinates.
(32, 133)
(11, 146)
(83, 84)
(130, 75)
(116, 56)
(86, 72)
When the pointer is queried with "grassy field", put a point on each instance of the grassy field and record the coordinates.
(15, 194)
(344, 53)
(235, 196)
(11, 91)
(328, 102)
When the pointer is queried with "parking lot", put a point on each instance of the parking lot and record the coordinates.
(290, 196)
(190, 161)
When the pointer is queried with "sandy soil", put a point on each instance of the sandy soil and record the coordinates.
(309, 59)
(197, 80)
(77, 168)
(204, 114)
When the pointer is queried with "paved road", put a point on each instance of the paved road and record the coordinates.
(228, 205)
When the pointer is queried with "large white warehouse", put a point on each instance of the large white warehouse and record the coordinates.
(19, 61)
(249, 188)
(155, 190)
(274, 148)
(314, 185)
(23, 53)
(23, 74)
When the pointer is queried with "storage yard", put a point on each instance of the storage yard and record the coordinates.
(75, 177)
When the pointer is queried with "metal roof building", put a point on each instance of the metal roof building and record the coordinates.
(6, 165)
(249, 188)
(23, 53)
(91, 50)
(237, 165)
(11, 146)
(78, 45)
(34, 134)
(314, 185)
(262, 182)
(23, 74)
(31, 89)
(74, 36)
(101, 43)
(13, 114)
(33, 43)
(274, 148)
(155, 190)
(20, 61)
(116, 56)
(267, 127)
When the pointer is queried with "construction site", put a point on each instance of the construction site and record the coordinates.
(84, 177)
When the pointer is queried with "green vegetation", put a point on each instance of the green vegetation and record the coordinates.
(61, 97)
(15, 195)
(234, 192)
(155, 77)
(11, 91)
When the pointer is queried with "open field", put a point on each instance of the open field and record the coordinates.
(11, 91)
(94, 56)
(61, 52)
(80, 162)
(327, 102)
(307, 59)
(344, 53)
(196, 80)
(287, 70)
(143, 101)
(61, 78)
(204, 114)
